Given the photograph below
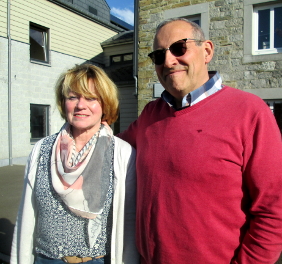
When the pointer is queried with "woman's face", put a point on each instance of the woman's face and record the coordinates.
(83, 114)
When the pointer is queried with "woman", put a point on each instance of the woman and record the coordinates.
(78, 202)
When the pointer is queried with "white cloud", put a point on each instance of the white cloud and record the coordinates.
(123, 14)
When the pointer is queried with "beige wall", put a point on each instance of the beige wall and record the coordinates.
(3, 18)
(70, 33)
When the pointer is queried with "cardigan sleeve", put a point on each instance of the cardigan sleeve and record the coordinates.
(262, 174)
(22, 245)
(124, 210)
(130, 254)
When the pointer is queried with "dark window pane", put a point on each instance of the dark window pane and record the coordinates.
(197, 21)
(38, 43)
(278, 27)
(278, 114)
(117, 126)
(38, 121)
(264, 29)
(93, 10)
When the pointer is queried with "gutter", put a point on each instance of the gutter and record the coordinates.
(135, 52)
(9, 84)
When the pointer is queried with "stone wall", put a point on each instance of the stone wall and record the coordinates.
(226, 29)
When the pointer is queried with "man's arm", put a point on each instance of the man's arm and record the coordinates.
(130, 134)
(262, 175)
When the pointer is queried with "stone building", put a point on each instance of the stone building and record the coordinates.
(248, 44)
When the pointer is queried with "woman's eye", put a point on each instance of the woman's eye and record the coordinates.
(72, 98)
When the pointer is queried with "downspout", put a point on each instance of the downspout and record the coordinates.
(9, 84)
(135, 52)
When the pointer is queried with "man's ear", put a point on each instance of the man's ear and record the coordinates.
(209, 50)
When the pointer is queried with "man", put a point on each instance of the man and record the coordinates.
(209, 162)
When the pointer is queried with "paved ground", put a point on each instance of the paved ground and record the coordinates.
(11, 183)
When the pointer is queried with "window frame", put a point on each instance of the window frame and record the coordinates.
(271, 50)
(199, 10)
(249, 57)
(45, 122)
(122, 58)
(46, 46)
(193, 18)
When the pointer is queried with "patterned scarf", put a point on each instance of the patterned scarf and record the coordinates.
(83, 186)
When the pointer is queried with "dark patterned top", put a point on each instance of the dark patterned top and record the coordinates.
(59, 232)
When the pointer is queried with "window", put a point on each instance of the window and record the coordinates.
(276, 108)
(128, 57)
(196, 19)
(39, 121)
(121, 58)
(92, 10)
(261, 37)
(39, 43)
(268, 29)
(197, 13)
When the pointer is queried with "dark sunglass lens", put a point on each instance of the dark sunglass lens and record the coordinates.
(158, 57)
(178, 48)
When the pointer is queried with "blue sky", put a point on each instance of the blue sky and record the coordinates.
(123, 9)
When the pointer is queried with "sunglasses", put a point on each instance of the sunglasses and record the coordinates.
(177, 49)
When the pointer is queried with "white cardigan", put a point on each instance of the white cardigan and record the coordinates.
(123, 249)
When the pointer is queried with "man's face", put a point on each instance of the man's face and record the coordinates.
(181, 75)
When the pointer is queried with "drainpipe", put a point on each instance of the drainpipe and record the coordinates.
(9, 84)
(135, 53)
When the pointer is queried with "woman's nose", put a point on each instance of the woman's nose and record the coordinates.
(81, 103)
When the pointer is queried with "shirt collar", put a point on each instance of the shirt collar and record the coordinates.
(213, 85)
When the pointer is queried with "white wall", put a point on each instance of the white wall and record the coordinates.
(31, 83)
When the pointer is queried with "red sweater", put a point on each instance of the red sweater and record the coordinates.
(209, 181)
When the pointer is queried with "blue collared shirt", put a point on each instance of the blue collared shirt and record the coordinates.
(213, 85)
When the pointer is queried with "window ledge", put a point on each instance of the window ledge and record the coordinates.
(261, 58)
(33, 141)
(40, 63)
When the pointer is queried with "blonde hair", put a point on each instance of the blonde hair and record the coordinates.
(76, 80)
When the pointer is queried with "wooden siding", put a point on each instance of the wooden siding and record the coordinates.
(69, 33)
(128, 106)
(3, 18)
